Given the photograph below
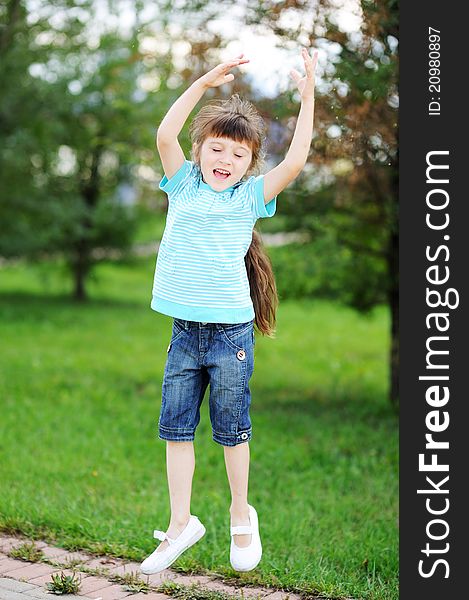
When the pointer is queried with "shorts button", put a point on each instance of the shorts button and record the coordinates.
(241, 355)
(244, 436)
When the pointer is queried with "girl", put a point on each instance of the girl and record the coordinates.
(213, 277)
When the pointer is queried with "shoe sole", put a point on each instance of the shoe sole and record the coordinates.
(195, 538)
(244, 570)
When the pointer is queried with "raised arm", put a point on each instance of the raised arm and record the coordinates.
(171, 154)
(291, 166)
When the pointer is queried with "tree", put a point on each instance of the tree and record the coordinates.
(74, 125)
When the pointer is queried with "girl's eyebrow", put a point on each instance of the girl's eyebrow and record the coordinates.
(215, 141)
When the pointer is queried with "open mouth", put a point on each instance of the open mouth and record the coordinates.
(221, 173)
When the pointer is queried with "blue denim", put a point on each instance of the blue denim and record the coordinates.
(219, 354)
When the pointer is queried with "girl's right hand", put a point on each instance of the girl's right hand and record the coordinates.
(218, 75)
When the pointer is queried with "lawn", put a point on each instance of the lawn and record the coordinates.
(81, 464)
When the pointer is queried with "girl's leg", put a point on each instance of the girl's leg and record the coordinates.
(237, 469)
(180, 465)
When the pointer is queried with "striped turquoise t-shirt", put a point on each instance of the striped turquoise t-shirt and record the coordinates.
(200, 272)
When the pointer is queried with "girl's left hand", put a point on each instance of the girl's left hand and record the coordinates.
(306, 84)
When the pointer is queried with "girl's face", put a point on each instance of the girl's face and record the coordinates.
(224, 161)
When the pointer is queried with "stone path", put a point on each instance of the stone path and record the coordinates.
(22, 580)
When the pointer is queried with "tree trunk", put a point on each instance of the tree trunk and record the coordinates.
(90, 194)
(80, 290)
(80, 268)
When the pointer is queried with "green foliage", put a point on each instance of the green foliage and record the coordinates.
(324, 269)
(64, 584)
(28, 552)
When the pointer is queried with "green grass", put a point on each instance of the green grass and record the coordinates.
(81, 464)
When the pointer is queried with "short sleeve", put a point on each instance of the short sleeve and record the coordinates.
(259, 208)
(178, 181)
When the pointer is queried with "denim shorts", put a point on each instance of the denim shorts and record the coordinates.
(199, 354)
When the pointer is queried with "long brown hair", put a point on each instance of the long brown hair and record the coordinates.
(262, 283)
(239, 120)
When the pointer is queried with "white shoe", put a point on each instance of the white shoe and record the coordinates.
(158, 561)
(246, 559)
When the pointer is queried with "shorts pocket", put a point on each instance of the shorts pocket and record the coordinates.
(239, 336)
(177, 332)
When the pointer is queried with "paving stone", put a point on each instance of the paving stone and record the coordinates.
(149, 596)
(92, 583)
(201, 580)
(43, 594)
(158, 578)
(10, 564)
(15, 586)
(30, 570)
(8, 543)
(9, 595)
(116, 571)
(113, 592)
(217, 586)
(132, 567)
(281, 595)
(41, 572)
(68, 557)
(52, 553)
(121, 570)
(43, 579)
(103, 562)
(252, 592)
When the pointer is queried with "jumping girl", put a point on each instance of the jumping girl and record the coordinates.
(214, 278)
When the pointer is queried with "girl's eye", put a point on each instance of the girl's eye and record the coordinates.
(216, 150)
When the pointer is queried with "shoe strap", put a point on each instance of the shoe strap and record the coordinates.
(162, 536)
(241, 529)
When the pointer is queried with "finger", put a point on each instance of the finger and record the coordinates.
(234, 63)
(239, 61)
(315, 59)
(308, 64)
(229, 77)
(311, 60)
(295, 75)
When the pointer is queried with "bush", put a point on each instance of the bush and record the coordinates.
(324, 269)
